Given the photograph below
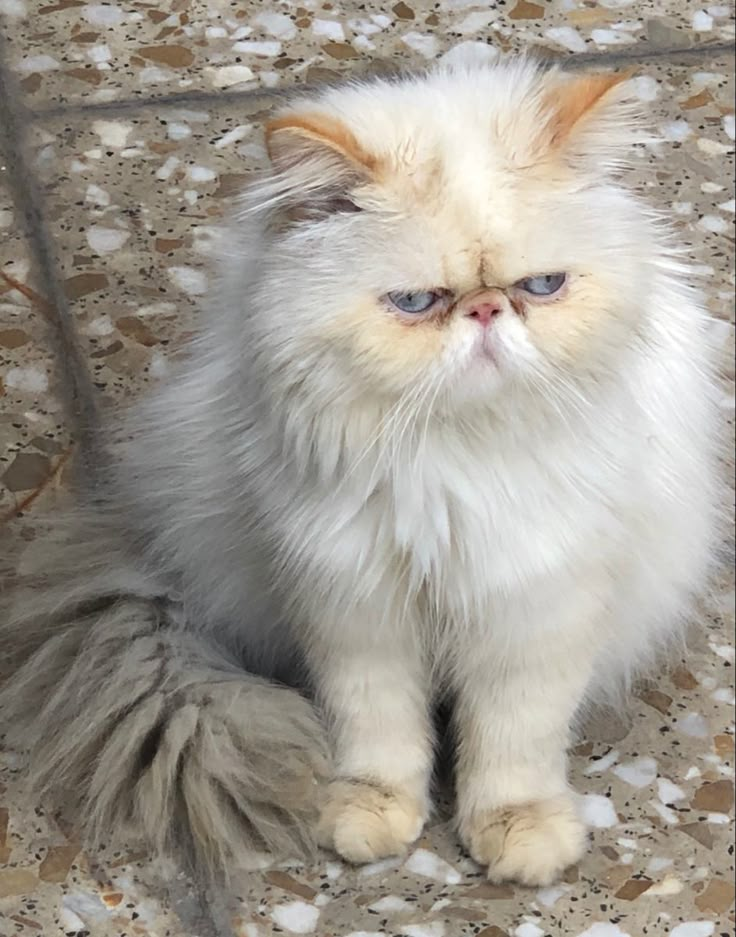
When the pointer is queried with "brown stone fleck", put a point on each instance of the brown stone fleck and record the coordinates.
(617, 876)
(610, 853)
(683, 679)
(524, 10)
(284, 62)
(157, 16)
(25, 921)
(317, 74)
(487, 891)
(164, 245)
(432, 20)
(290, 884)
(403, 12)
(13, 338)
(163, 147)
(27, 470)
(464, 914)
(90, 75)
(32, 83)
(340, 50)
(17, 882)
(591, 16)
(111, 349)
(585, 748)
(697, 100)
(132, 327)
(717, 897)
(57, 862)
(631, 890)
(86, 38)
(231, 183)
(724, 745)
(571, 874)
(716, 797)
(113, 899)
(47, 445)
(84, 283)
(657, 700)
(61, 5)
(492, 931)
(700, 832)
(173, 56)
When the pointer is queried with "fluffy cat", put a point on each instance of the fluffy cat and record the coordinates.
(448, 433)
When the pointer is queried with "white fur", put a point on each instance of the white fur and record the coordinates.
(523, 540)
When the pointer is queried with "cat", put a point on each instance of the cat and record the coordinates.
(447, 432)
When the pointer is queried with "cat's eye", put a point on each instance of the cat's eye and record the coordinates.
(545, 285)
(415, 302)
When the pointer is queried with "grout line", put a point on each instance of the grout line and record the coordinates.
(268, 95)
(77, 392)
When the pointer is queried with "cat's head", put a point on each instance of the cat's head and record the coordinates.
(459, 233)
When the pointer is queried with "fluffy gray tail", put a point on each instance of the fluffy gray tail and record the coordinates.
(147, 727)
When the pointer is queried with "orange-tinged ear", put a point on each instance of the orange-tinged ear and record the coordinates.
(574, 101)
(295, 137)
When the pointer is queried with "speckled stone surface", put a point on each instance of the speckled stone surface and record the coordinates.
(134, 194)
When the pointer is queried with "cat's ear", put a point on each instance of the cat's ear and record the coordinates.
(592, 121)
(319, 162)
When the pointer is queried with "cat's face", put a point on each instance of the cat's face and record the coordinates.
(455, 236)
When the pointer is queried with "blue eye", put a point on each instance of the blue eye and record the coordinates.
(414, 302)
(545, 285)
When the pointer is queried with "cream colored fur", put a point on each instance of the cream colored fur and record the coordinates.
(326, 480)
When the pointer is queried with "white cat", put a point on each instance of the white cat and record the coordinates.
(448, 432)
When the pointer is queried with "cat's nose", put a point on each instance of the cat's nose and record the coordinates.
(484, 307)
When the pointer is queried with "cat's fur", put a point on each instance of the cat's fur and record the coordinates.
(329, 488)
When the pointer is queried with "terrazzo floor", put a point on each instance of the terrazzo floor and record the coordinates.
(143, 122)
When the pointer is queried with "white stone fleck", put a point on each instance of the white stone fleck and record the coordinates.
(378, 868)
(13, 9)
(426, 863)
(190, 196)
(723, 695)
(602, 764)
(567, 37)
(6, 217)
(729, 126)
(547, 897)
(105, 240)
(423, 44)
(31, 379)
(232, 136)
(670, 885)
(693, 724)
(328, 29)
(637, 773)
(598, 811)
(729, 206)
(711, 187)
(156, 309)
(177, 130)
(627, 843)
(718, 819)
(669, 816)
(276, 24)
(676, 130)
(227, 75)
(433, 929)
(101, 325)
(190, 116)
(101, 54)
(215, 32)
(98, 14)
(189, 280)
(724, 651)
(153, 75)
(296, 916)
(718, 12)
(366, 933)
(201, 174)
(390, 904)
(470, 53)
(113, 133)
(265, 48)
(364, 43)
(37, 63)
(474, 22)
(646, 87)
(333, 870)
(658, 864)
(97, 196)
(528, 930)
(70, 921)
(694, 929)
(712, 147)
(241, 32)
(611, 37)
(380, 19)
(604, 929)
(702, 21)
(168, 168)
(714, 224)
(669, 793)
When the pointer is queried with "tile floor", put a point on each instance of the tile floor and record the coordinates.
(143, 120)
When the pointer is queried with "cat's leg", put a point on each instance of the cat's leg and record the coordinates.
(517, 692)
(373, 688)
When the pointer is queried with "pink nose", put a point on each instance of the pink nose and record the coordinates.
(484, 307)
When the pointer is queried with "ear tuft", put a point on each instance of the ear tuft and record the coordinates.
(293, 138)
(578, 100)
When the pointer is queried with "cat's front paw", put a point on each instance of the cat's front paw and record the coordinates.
(529, 843)
(364, 822)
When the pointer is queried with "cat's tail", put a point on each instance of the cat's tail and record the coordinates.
(146, 725)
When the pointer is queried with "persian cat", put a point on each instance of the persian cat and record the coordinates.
(447, 433)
